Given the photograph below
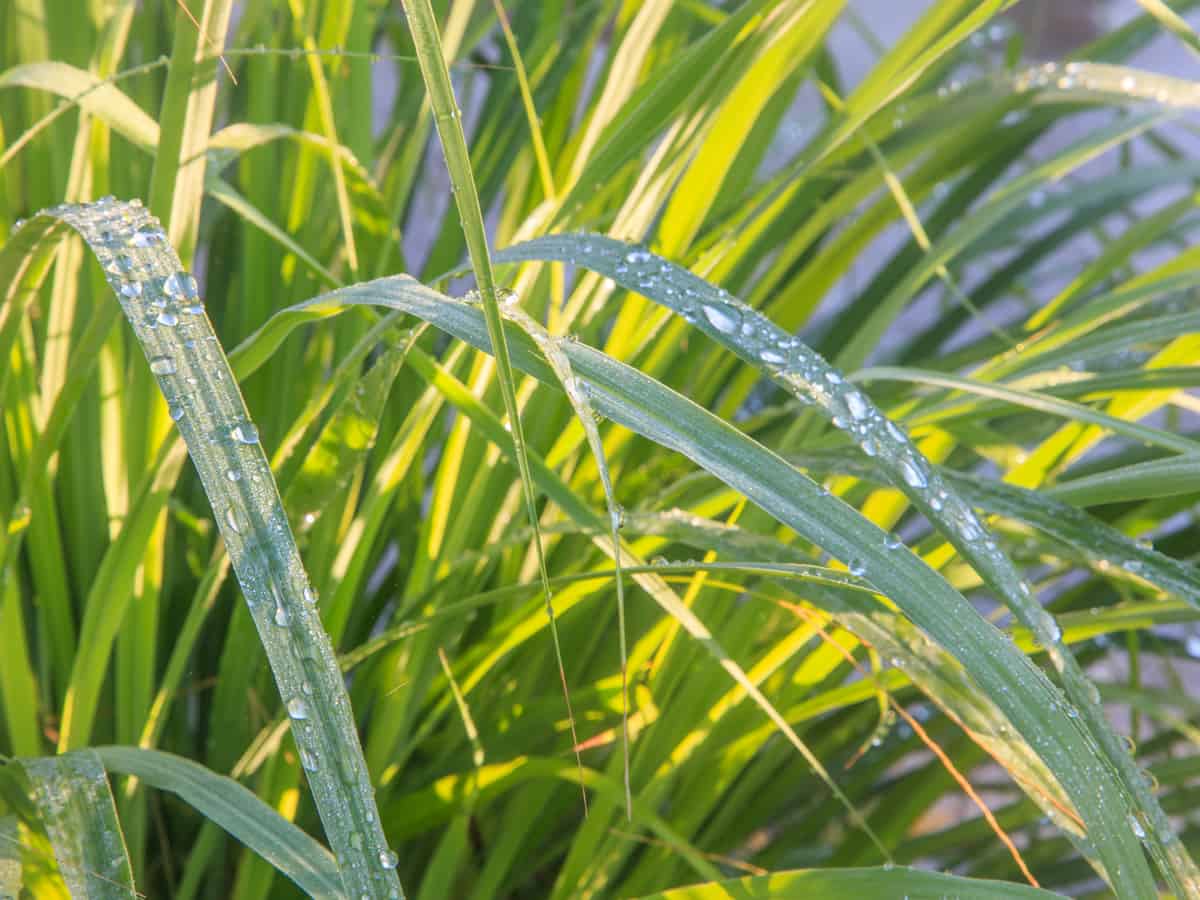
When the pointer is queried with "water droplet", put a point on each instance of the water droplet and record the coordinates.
(1136, 825)
(175, 411)
(856, 567)
(282, 619)
(309, 760)
(857, 405)
(721, 319)
(771, 356)
(167, 318)
(297, 708)
(233, 475)
(146, 236)
(131, 289)
(1192, 645)
(388, 859)
(162, 365)
(310, 595)
(244, 433)
(180, 286)
(231, 519)
(616, 516)
(891, 542)
(911, 471)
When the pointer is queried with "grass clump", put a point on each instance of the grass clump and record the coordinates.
(808, 501)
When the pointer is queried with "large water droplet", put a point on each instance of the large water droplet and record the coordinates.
(309, 760)
(310, 595)
(244, 433)
(913, 475)
(162, 365)
(131, 289)
(1136, 825)
(167, 318)
(388, 859)
(180, 286)
(231, 519)
(233, 475)
(297, 708)
(282, 619)
(146, 236)
(721, 319)
(771, 356)
(175, 411)
(857, 405)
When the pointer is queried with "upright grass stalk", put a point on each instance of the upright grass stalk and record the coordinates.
(448, 118)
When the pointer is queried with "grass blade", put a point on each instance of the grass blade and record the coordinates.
(77, 808)
(161, 302)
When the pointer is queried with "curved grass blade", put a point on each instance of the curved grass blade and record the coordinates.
(76, 805)
(226, 803)
(1032, 703)
(1140, 481)
(864, 884)
(448, 119)
(808, 377)
(161, 302)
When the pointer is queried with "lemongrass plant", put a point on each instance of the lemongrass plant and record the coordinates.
(593, 450)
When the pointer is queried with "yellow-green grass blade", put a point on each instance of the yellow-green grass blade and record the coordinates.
(168, 317)
(868, 884)
(76, 805)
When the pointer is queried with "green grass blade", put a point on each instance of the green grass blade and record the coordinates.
(448, 119)
(77, 808)
(161, 303)
(226, 803)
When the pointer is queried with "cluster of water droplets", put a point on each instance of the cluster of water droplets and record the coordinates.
(1116, 81)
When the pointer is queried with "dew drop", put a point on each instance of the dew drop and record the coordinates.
(144, 237)
(721, 319)
(771, 356)
(233, 475)
(231, 520)
(309, 760)
(388, 859)
(857, 405)
(245, 433)
(310, 595)
(180, 286)
(175, 411)
(162, 365)
(131, 289)
(1136, 825)
(167, 318)
(297, 708)
(913, 475)
(282, 619)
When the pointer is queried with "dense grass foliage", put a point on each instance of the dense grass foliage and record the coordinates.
(593, 449)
